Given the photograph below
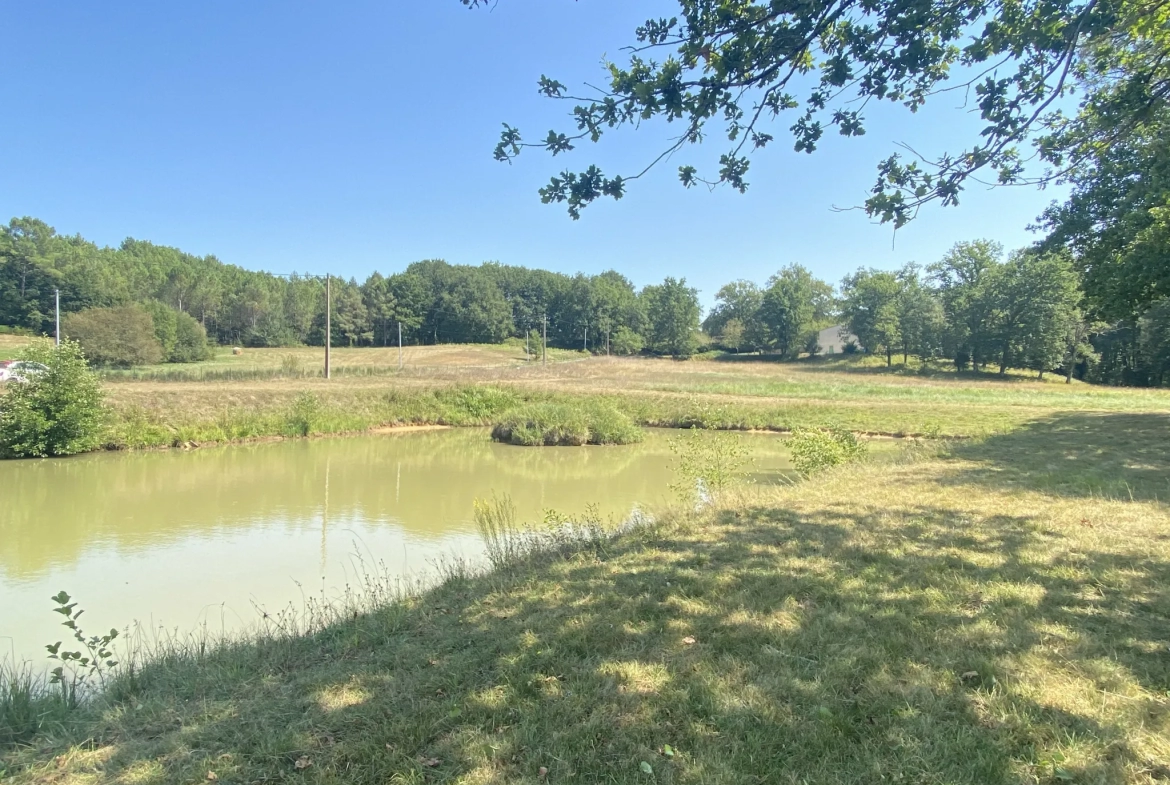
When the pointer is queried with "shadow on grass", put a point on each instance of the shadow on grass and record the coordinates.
(907, 645)
(1119, 456)
(857, 365)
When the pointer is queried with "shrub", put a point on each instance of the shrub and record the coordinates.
(625, 341)
(304, 416)
(815, 449)
(558, 424)
(182, 338)
(118, 337)
(706, 463)
(58, 412)
(190, 340)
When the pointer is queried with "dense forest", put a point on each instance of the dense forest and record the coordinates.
(975, 307)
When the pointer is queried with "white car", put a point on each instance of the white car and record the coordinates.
(19, 370)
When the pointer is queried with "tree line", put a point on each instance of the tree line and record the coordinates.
(430, 301)
(976, 307)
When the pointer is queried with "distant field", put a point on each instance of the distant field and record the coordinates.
(852, 394)
(11, 344)
(310, 361)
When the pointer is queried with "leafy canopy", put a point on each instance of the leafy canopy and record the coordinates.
(735, 67)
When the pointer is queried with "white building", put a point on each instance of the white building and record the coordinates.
(832, 340)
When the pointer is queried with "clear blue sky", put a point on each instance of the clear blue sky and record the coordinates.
(357, 135)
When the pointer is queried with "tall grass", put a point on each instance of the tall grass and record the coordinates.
(565, 424)
(28, 704)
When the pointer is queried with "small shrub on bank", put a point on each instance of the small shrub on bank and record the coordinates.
(706, 464)
(558, 424)
(816, 449)
(304, 415)
(57, 412)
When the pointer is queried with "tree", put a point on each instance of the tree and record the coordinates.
(672, 310)
(1116, 223)
(960, 279)
(118, 337)
(794, 304)
(732, 334)
(922, 321)
(1077, 347)
(871, 304)
(1033, 295)
(739, 66)
(57, 412)
(739, 301)
(1154, 340)
(625, 341)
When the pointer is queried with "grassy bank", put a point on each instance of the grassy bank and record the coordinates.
(854, 395)
(992, 614)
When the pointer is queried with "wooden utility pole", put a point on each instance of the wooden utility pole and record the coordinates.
(400, 346)
(544, 342)
(58, 301)
(328, 323)
(585, 343)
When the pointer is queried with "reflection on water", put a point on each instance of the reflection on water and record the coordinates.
(183, 538)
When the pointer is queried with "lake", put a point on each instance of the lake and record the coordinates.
(179, 539)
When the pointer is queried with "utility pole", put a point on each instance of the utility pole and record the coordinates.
(527, 354)
(544, 342)
(400, 346)
(585, 343)
(58, 301)
(328, 323)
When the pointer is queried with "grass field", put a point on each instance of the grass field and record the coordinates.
(856, 394)
(994, 612)
(993, 609)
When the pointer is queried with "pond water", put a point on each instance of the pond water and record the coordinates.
(183, 539)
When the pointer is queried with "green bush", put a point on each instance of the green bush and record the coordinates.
(182, 338)
(304, 416)
(815, 449)
(706, 463)
(58, 412)
(558, 424)
(116, 337)
(625, 341)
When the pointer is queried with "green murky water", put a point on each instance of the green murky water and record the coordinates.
(180, 539)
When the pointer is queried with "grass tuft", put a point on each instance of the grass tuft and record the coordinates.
(561, 424)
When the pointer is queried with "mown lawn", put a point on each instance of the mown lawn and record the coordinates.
(997, 611)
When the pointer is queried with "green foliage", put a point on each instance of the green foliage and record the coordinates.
(475, 405)
(871, 309)
(742, 66)
(496, 521)
(28, 705)
(672, 309)
(1154, 340)
(626, 342)
(57, 412)
(120, 337)
(794, 305)
(89, 664)
(706, 464)
(735, 319)
(559, 424)
(816, 449)
(304, 415)
(181, 337)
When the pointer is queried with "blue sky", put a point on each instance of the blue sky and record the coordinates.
(357, 136)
